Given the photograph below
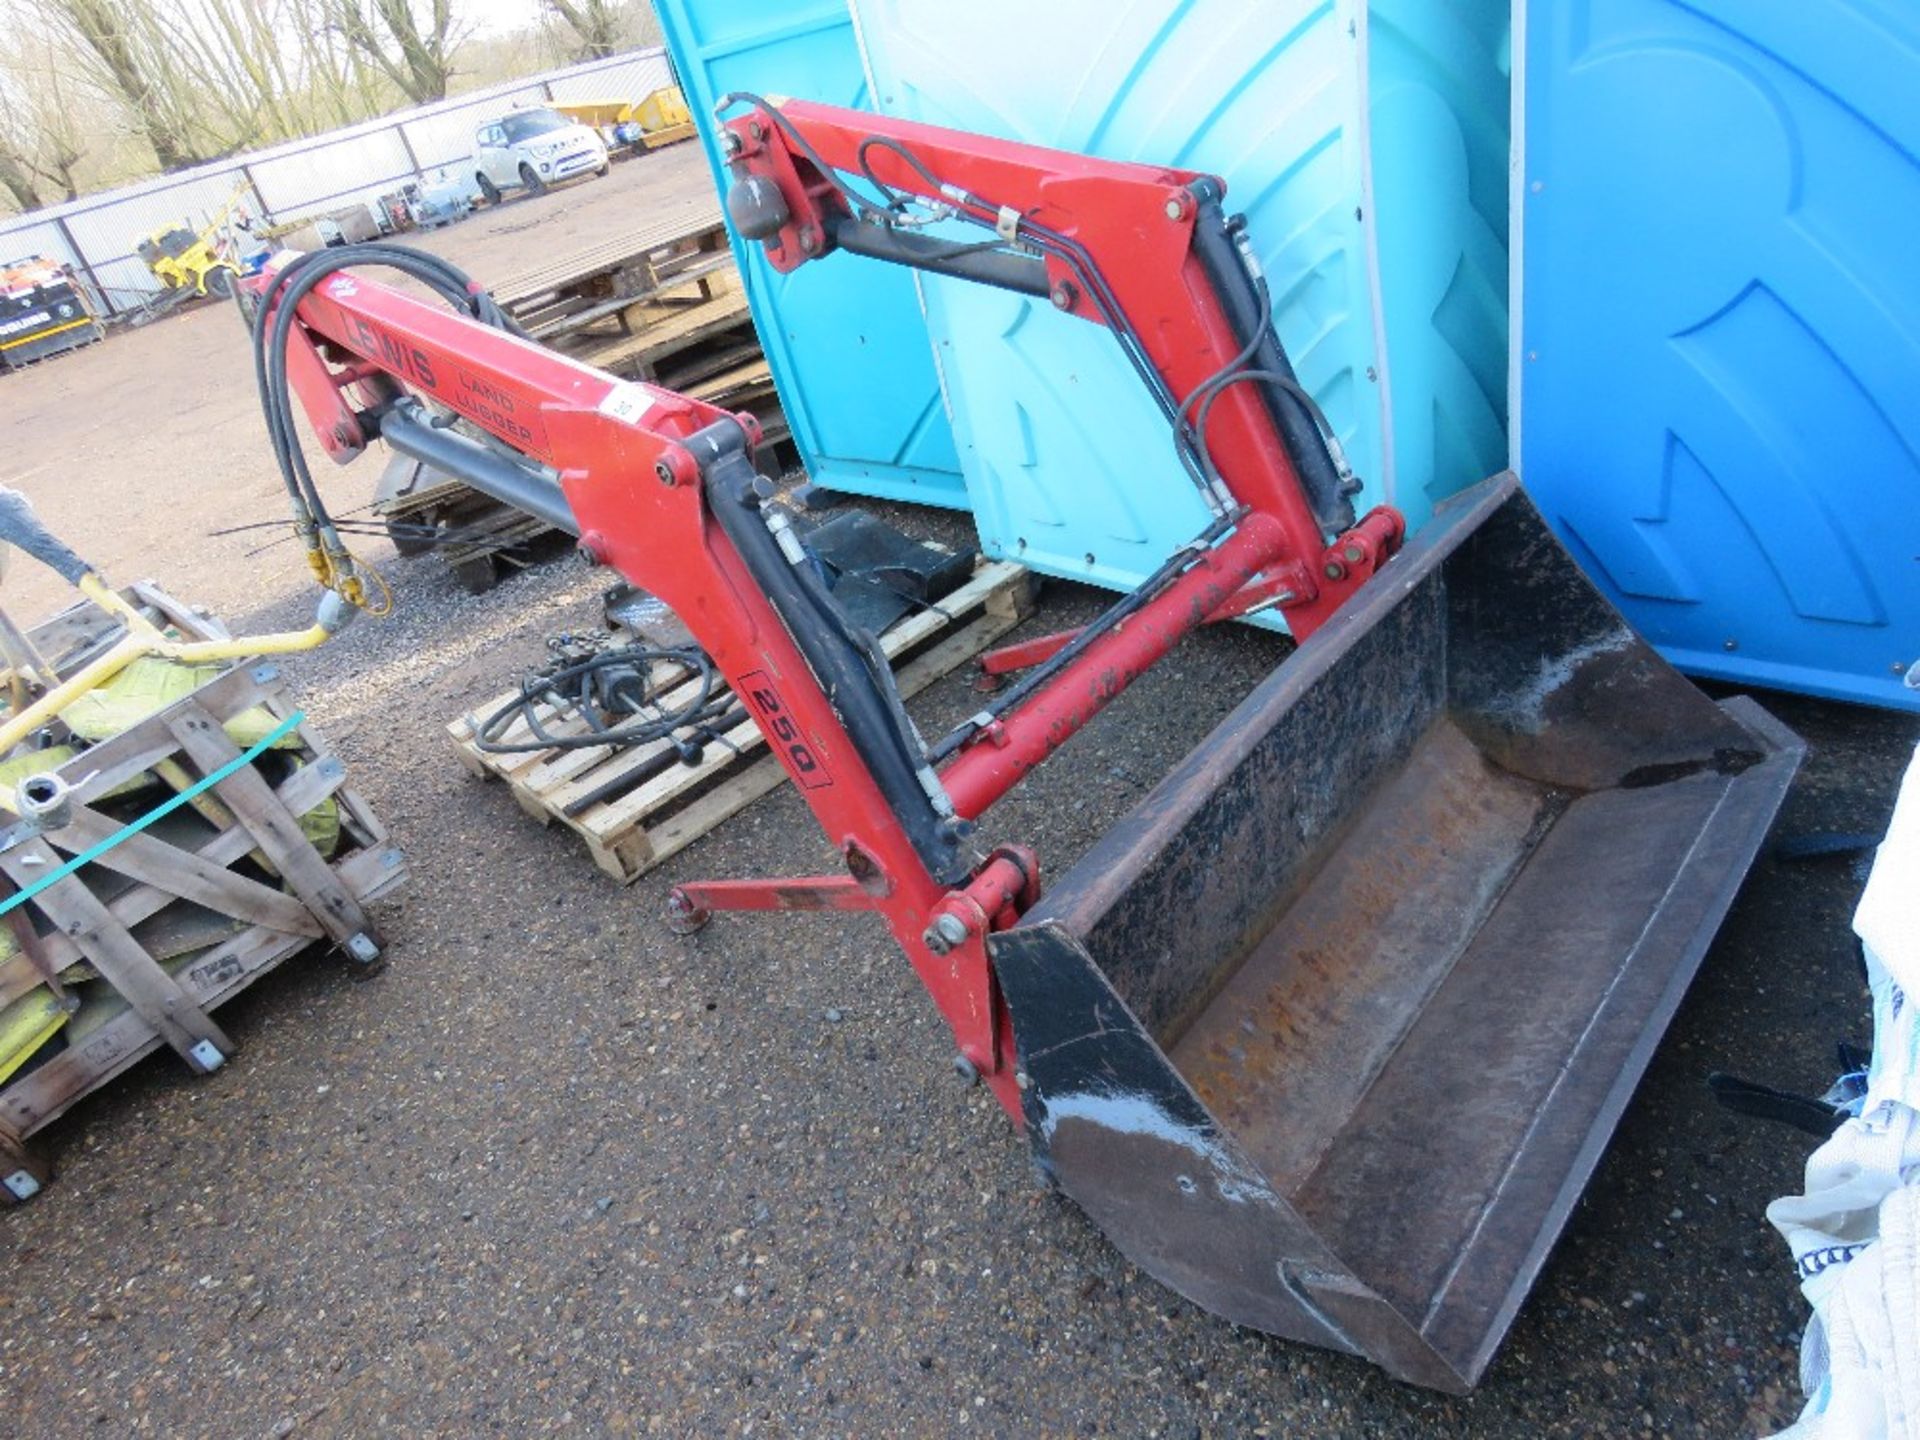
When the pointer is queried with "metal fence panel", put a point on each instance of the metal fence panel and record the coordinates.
(43, 239)
(317, 178)
(97, 233)
(633, 78)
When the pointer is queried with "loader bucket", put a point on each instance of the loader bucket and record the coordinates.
(1329, 1032)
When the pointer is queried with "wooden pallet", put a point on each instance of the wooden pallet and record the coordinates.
(76, 636)
(479, 537)
(630, 834)
(170, 921)
(604, 280)
(708, 350)
(661, 332)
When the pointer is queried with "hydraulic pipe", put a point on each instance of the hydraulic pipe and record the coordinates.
(1007, 749)
(485, 470)
(1024, 274)
(1215, 248)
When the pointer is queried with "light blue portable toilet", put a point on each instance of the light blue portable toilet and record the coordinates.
(1387, 260)
(845, 340)
(1718, 344)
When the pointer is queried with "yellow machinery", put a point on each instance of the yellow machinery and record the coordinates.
(661, 118)
(185, 261)
(199, 262)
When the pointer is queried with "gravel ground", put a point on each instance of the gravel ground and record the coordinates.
(557, 1171)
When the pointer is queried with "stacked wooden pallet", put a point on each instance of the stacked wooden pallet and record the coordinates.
(599, 282)
(631, 830)
(661, 304)
(477, 537)
(707, 349)
(135, 949)
(669, 310)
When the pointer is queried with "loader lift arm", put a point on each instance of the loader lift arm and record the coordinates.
(660, 487)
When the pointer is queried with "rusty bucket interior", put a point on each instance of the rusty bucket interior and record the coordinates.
(1330, 1031)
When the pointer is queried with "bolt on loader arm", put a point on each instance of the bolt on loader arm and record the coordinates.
(1328, 1033)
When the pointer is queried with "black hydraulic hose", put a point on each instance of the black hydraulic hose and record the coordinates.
(1248, 314)
(1232, 367)
(887, 192)
(1243, 295)
(273, 326)
(1283, 381)
(844, 661)
(583, 687)
(1070, 252)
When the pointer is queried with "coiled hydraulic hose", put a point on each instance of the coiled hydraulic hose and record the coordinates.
(332, 562)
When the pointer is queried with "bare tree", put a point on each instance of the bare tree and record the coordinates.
(42, 128)
(415, 53)
(343, 85)
(93, 92)
(240, 62)
(596, 25)
(276, 69)
(60, 123)
(128, 43)
(17, 178)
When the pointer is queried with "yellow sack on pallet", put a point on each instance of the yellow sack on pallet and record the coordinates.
(148, 686)
(26, 1025)
(321, 825)
(31, 763)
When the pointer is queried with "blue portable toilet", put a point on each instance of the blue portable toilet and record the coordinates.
(846, 342)
(1717, 351)
(1394, 312)
(1387, 259)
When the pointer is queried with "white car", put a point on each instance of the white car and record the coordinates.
(533, 148)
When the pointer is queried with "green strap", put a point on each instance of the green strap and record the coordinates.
(94, 852)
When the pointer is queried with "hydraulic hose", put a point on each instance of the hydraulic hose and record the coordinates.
(845, 662)
(273, 323)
